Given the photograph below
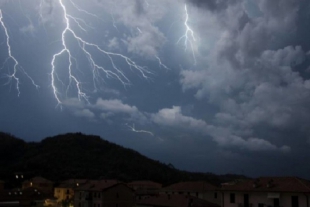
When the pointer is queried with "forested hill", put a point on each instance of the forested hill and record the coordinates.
(76, 155)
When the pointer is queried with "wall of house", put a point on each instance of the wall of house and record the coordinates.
(208, 196)
(97, 198)
(118, 196)
(63, 194)
(256, 197)
(47, 187)
(211, 197)
(81, 199)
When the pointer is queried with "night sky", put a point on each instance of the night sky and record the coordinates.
(218, 86)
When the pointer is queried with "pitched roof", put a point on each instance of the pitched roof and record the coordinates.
(97, 185)
(175, 201)
(145, 183)
(38, 180)
(72, 183)
(191, 186)
(271, 184)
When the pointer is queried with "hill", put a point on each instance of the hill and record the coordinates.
(76, 155)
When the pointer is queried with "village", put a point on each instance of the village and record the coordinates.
(260, 192)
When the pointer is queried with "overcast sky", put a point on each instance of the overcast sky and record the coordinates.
(216, 86)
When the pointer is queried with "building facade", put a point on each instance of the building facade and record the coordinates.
(199, 189)
(267, 192)
(104, 193)
(40, 183)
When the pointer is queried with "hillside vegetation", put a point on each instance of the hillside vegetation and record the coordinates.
(76, 155)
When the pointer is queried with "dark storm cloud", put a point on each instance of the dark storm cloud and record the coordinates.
(243, 107)
(256, 84)
(213, 5)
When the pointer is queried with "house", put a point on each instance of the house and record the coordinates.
(104, 193)
(199, 189)
(26, 197)
(145, 188)
(174, 201)
(40, 183)
(267, 191)
(64, 192)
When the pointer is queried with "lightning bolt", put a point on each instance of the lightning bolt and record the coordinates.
(189, 35)
(16, 67)
(132, 128)
(96, 69)
(161, 64)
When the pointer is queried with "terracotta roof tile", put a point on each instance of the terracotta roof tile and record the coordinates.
(38, 180)
(146, 183)
(198, 186)
(97, 185)
(274, 184)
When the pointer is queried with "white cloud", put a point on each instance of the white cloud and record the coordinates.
(115, 106)
(114, 43)
(174, 117)
(225, 137)
(140, 15)
(85, 113)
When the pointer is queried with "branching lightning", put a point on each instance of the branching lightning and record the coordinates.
(96, 69)
(132, 128)
(161, 64)
(16, 67)
(189, 35)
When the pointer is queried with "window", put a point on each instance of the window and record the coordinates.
(232, 198)
(276, 202)
(99, 195)
(196, 194)
(215, 195)
(117, 195)
(295, 202)
(95, 195)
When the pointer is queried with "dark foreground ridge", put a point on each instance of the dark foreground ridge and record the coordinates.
(75, 155)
